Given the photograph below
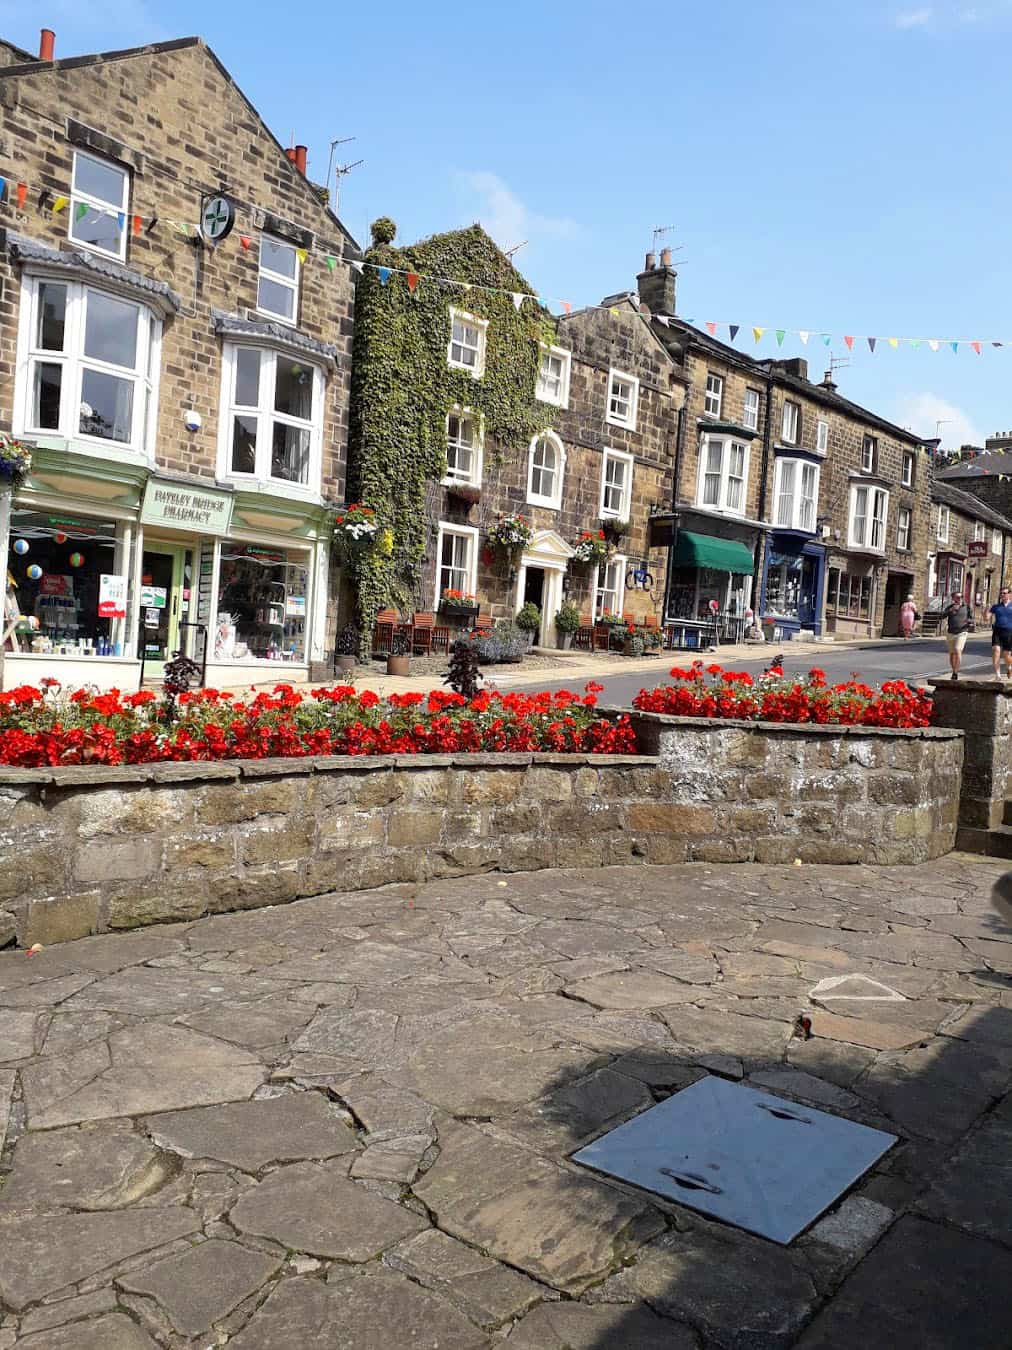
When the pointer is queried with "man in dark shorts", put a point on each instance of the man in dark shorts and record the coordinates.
(957, 619)
(1001, 634)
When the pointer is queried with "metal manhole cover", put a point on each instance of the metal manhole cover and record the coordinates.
(741, 1155)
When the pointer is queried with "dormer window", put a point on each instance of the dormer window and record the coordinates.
(278, 282)
(99, 198)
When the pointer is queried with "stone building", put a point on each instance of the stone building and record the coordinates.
(175, 341)
(829, 499)
(970, 550)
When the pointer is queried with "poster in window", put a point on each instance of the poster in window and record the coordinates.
(112, 592)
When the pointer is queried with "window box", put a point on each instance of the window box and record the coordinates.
(464, 493)
(458, 603)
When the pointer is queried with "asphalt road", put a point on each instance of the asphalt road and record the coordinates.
(886, 660)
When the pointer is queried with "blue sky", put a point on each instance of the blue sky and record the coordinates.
(827, 166)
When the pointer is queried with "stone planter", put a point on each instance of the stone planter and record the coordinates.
(564, 641)
(398, 665)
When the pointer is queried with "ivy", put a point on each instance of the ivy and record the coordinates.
(402, 388)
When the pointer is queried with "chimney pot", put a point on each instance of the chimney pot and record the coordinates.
(47, 44)
(290, 152)
(650, 263)
(301, 155)
(665, 257)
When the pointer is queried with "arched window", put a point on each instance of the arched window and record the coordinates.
(546, 465)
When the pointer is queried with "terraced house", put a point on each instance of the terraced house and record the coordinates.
(175, 342)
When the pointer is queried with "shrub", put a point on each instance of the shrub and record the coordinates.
(567, 620)
(529, 618)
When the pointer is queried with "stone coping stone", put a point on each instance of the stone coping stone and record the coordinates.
(971, 684)
(830, 729)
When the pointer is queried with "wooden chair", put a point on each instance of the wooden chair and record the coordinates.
(652, 621)
(422, 630)
(584, 635)
(382, 634)
(483, 621)
(441, 639)
(602, 637)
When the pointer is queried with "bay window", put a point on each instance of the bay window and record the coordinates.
(869, 509)
(463, 448)
(99, 198)
(723, 475)
(545, 467)
(796, 494)
(272, 420)
(457, 556)
(90, 364)
(609, 586)
(616, 484)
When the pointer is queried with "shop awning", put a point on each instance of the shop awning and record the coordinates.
(705, 550)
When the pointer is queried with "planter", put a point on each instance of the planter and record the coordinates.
(467, 496)
(564, 641)
(398, 665)
(632, 646)
(457, 611)
(345, 664)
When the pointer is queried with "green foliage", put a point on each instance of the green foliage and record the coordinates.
(529, 618)
(402, 389)
(567, 620)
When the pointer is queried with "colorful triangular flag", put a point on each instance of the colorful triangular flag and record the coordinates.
(567, 307)
(80, 210)
(614, 312)
(871, 343)
(733, 328)
(412, 279)
(803, 335)
(893, 342)
(22, 193)
(976, 347)
(934, 344)
(757, 333)
(781, 334)
(245, 241)
(302, 254)
(954, 346)
(60, 204)
(827, 338)
(711, 329)
(3, 188)
(121, 219)
(137, 226)
(331, 262)
(518, 300)
(849, 341)
(384, 275)
(915, 342)
(996, 344)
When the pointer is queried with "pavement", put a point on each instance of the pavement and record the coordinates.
(346, 1123)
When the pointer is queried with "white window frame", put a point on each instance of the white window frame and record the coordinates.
(266, 415)
(873, 535)
(553, 501)
(978, 531)
(628, 421)
(942, 532)
(100, 205)
(144, 375)
(795, 519)
(868, 444)
(751, 409)
(722, 504)
(996, 542)
(907, 470)
(790, 422)
(822, 437)
(469, 533)
(619, 561)
(560, 400)
(627, 459)
(289, 283)
(713, 397)
(477, 450)
(904, 520)
(478, 369)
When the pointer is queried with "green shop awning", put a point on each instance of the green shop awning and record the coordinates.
(705, 550)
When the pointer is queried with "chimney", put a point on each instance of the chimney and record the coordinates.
(47, 44)
(656, 285)
(290, 152)
(828, 382)
(301, 154)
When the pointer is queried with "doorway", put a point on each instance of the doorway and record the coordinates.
(898, 587)
(159, 612)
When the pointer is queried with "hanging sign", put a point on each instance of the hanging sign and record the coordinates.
(976, 548)
(112, 592)
(217, 216)
(183, 507)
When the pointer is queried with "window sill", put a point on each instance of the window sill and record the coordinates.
(547, 505)
(552, 402)
(622, 426)
(473, 371)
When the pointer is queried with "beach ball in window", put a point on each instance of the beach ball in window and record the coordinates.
(76, 560)
(35, 572)
(21, 546)
(60, 538)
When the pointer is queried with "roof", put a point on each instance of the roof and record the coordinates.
(82, 263)
(629, 301)
(969, 505)
(981, 467)
(232, 325)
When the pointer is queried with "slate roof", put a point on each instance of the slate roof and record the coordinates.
(233, 325)
(969, 505)
(82, 262)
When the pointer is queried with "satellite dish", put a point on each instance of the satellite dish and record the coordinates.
(217, 216)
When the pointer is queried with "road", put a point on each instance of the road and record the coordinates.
(887, 660)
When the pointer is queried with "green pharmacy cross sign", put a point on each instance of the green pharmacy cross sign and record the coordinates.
(217, 217)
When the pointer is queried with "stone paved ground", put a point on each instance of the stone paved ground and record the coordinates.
(346, 1122)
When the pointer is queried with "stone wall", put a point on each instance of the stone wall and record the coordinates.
(85, 850)
(982, 710)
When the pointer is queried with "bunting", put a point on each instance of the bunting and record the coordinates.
(412, 279)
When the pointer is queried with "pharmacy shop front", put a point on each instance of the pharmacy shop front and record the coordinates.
(104, 590)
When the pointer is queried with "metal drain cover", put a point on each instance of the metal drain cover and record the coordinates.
(741, 1155)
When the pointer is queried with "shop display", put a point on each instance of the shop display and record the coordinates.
(21, 546)
(262, 600)
(57, 595)
(34, 573)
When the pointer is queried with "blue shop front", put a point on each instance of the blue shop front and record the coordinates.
(790, 594)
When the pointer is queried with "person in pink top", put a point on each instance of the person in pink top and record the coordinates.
(908, 616)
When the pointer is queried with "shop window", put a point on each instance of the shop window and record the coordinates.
(909, 465)
(903, 529)
(783, 587)
(848, 595)
(723, 478)
(56, 563)
(466, 348)
(457, 554)
(623, 397)
(609, 586)
(796, 494)
(790, 428)
(263, 603)
(869, 509)
(714, 397)
(553, 376)
(278, 280)
(545, 469)
(942, 525)
(99, 201)
(616, 484)
(90, 367)
(272, 427)
(750, 412)
(463, 447)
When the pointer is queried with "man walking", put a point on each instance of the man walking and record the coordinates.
(1001, 634)
(957, 619)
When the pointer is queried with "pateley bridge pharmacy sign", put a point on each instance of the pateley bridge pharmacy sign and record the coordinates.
(183, 507)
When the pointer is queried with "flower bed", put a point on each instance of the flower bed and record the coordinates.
(776, 697)
(39, 729)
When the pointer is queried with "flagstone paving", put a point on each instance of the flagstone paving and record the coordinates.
(346, 1123)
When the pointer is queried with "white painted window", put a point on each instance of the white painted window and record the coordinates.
(464, 446)
(822, 437)
(623, 397)
(942, 525)
(272, 422)
(466, 348)
(796, 494)
(99, 201)
(546, 465)
(457, 554)
(869, 511)
(609, 586)
(723, 477)
(750, 411)
(907, 476)
(996, 541)
(714, 397)
(616, 484)
(87, 366)
(278, 282)
(978, 530)
(869, 454)
(791, 422)
(553, 376)
(903, 528)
